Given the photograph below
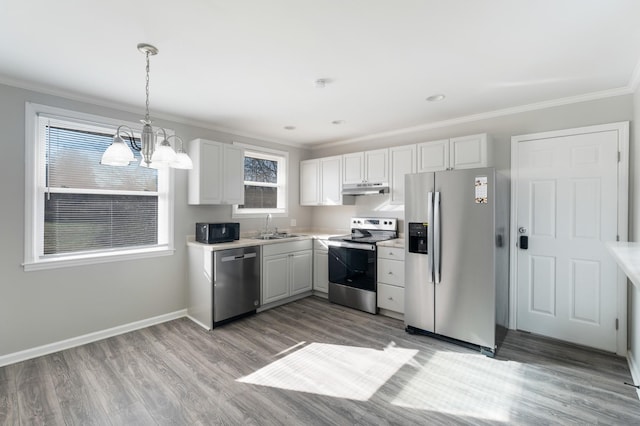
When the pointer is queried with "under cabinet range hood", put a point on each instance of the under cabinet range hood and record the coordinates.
(364, 188)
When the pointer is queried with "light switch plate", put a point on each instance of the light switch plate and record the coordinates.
(293, 222)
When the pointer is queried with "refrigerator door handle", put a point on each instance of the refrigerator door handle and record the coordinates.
(430, 236)
(436, 238)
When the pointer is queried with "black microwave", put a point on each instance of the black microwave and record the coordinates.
(213, 233)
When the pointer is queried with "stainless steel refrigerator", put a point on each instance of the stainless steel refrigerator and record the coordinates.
(456, 264)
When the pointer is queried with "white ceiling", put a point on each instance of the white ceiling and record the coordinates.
(249, 66)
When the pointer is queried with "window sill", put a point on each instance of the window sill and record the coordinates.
(95, 258)
(258, 213)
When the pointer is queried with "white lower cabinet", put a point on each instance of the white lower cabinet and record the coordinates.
(286, 270)
(320, 266)
(391, 279)
(391, 297)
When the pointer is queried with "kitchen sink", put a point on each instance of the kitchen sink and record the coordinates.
(276, 236)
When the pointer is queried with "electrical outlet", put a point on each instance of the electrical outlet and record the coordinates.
(293, 222)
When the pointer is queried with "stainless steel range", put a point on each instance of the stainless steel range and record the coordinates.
(352, 262)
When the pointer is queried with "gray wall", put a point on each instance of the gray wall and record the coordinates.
(500, 129)
(42, 307)
(634, 235)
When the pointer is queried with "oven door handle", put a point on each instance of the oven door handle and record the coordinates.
(357, 246)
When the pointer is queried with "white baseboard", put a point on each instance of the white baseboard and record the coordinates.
(87, 338)
(201, 324)
(634, 367)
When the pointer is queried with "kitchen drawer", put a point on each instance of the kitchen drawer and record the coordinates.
(391, 272)
(390, 253)
(286, 247)
(320, 245)
(391, 297)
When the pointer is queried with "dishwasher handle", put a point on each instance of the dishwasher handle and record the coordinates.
(239, 257)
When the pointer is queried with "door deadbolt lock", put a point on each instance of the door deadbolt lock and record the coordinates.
(522, 230)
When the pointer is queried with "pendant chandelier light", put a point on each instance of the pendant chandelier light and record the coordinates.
(155, 155)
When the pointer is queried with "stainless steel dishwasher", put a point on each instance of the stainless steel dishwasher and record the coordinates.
(236, 283)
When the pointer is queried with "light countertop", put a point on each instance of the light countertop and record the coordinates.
(627, 255)
(248, 242)
(396, 243)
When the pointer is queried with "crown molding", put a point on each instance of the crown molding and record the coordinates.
(483, 116)
(632, 86)
(78, 97)
(634, 81)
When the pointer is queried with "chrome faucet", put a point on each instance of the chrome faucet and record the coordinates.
(266, 225)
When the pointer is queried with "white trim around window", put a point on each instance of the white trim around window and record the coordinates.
(282, 182)
(35, 178)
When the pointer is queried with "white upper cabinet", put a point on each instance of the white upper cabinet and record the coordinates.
(468, 152)
(233, 175)
(377, 165)
(321, 181)
(353, 167)
(330, 181)
(403, 161)
(464, 152)
(368, 166)
(310, 182)
(433, 156)
(217, 176)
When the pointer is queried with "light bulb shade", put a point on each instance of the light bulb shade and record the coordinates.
(182, 161)
(163, 155)
(118, 153)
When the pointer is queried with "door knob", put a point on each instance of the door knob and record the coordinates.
(522, 230)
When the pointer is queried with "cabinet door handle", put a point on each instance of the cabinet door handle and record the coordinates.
(390, 298)
(390, 273)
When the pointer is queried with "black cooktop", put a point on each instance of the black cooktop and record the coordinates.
(365, 237)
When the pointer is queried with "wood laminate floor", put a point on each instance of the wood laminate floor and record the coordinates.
(311, 362)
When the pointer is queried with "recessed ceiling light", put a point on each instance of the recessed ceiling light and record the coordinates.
(338, 122)
(321, 82)
(289, 127)
(436, 98)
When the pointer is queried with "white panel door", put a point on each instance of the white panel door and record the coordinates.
(567, 198)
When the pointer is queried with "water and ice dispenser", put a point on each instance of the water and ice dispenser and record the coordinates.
(418, 237)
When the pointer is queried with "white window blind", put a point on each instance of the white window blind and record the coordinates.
(89, 206)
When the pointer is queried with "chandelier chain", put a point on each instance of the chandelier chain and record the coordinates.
(147, 117)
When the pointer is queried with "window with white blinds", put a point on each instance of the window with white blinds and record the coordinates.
(83, 209)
